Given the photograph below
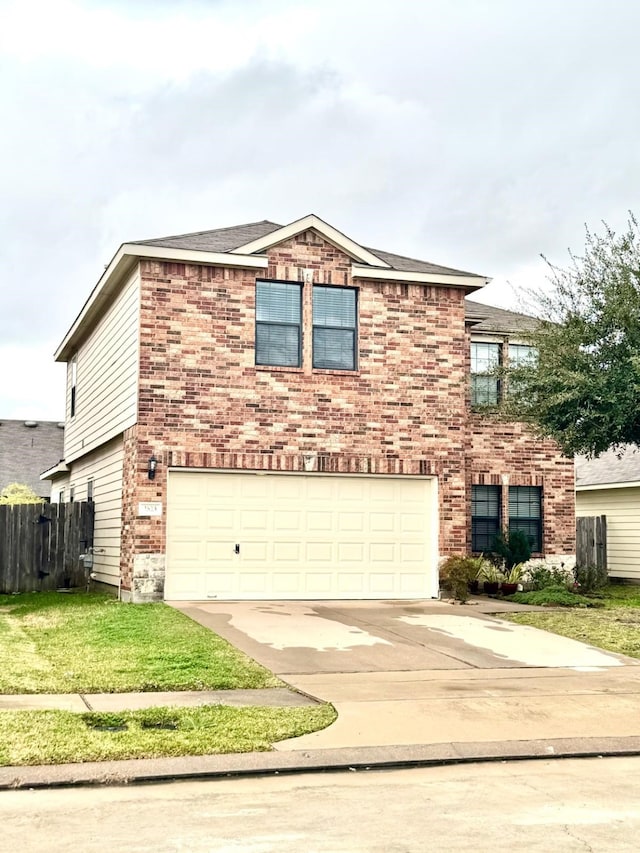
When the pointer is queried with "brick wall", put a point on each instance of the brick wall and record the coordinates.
(204, 403)
(507, 454)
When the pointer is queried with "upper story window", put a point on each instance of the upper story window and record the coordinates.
(521, 355)
(334, 327)
(485, 383)
(73, 369)
(279, 323)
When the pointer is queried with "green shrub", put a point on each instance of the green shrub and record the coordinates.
(590, 578)
(544, 576)
(554, 596)
(457, 572)
(511, 547)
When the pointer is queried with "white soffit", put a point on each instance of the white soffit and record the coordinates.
(469, 282)
(331, 234)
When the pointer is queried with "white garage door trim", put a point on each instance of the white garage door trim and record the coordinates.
(294, 535)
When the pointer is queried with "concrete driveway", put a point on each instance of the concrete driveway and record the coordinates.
(430, 672)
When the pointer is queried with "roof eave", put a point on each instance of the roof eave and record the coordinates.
(469, 283)
(590, 487)
(122, 263)
(54, 471)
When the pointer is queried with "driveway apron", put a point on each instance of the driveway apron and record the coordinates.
(429, 672)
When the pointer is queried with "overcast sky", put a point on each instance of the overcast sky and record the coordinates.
(472, 133)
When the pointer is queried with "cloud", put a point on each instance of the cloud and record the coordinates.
(476, 134)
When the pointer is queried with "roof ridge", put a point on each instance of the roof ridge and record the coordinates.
(207, 231)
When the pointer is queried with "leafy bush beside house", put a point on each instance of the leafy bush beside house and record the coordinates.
(18, 493)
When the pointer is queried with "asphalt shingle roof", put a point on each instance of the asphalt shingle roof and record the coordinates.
(612, 466)
(228, 239)
(27, 451)
(490, 319)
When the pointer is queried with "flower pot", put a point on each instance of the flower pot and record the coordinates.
(474, 587)
(509, 588)
(491, 587)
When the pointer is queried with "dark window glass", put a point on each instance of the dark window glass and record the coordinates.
(74, 373)
(485, 384)
(278, 323)
(334, 327)
(485, 516)
(525, 513)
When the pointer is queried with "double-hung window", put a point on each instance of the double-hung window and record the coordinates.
(525, 513)
(334, 327)
(279, 323)
(485, 516)
(485, 383)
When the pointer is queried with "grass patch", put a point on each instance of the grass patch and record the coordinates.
(554, 596)
(616, 630)
(622, 595)
(60, 737)
(91, 643)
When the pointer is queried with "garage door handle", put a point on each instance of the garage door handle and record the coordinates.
(237, 549)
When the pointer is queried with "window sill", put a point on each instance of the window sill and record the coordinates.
(335, 371)
(277, 368)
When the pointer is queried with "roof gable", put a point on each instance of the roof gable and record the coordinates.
(312, 222)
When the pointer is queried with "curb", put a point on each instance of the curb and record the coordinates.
(144, 771)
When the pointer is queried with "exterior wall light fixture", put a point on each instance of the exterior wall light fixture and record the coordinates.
(151, 468)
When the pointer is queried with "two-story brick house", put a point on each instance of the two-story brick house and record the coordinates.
(271, 412)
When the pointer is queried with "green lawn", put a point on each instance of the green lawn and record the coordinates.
(60, 737)
(615, 628)
(91, 643)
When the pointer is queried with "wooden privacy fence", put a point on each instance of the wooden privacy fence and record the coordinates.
(41, 544)
(591, 541)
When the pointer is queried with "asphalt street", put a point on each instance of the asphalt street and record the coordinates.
(560, 805)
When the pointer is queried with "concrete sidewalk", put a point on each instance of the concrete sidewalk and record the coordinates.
(110, 702)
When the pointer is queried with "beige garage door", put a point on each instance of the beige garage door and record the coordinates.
(271, 536)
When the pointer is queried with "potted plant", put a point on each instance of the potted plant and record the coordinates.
(492, 577)
(512, 578)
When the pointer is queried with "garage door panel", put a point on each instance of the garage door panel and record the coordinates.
(350, 552)
(382, 552)
(286, 583)
(253, 519)
(300, 536)
(318, 584)
(319, 520)
(287, 520)
(220, 519)
(220, 585)
(319, 552)
(253, 582)
(287, 552)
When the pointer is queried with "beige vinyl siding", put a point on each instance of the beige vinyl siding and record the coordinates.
(104, 466)
(622, 509)
(61, 483)
(107, 377)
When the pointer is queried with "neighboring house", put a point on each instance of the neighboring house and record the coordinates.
(610, 485)
(271, 411)
(27, 448)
